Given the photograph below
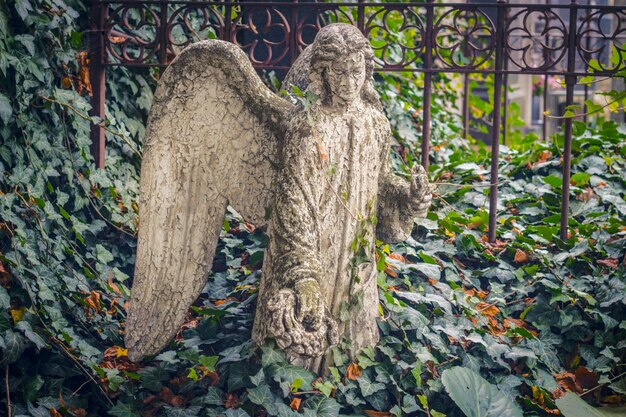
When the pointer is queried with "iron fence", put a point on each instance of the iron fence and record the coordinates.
(568, 40)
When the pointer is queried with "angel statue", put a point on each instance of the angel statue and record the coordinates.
(316, 172)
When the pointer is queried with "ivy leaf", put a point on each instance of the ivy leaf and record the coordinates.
(152, 376)
(321, 407)
(23, 7)
(236, 412)
(272, 355)
(25, 327)
(182, 412)
(5, 109)
(262, 396)
(13, 347)
(475, 396)
(285, 373)
(571, 405)
(368, 387)
(213, 396)
(5, 300)
(122, 410)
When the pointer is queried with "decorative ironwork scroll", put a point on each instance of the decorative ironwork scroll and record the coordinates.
(569, 40)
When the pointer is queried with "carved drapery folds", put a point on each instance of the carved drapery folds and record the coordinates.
(319, 167)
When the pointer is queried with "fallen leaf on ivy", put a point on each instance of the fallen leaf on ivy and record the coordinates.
(520, 256)
(232, 400)
(487, 309)
(117, 39)
(567, 380)
(398, 257)
(390, 270)
(372, 413)
(83, 83)
(295, 404)
(17, 314)
(113, 352)
(353, 372)
(609, 262)
(224, 301)
(586, 378)
(166, 395)
(5, 276)
(79, 412)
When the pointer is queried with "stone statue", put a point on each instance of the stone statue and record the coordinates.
(317, 171)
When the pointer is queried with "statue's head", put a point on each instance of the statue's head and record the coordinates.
(342, 63)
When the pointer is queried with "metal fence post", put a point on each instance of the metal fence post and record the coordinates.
(360, 22)
(428, 76)
(496, 120)
(570, 81)
(97, 78)
(466, 110)
(544, 127)
(163, 41)
(228, 21)
(293, 35)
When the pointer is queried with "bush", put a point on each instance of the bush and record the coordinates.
(534, 315)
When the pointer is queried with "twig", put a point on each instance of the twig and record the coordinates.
(519, 300)
(315, 392)
(601, 385)
(452, 184)
(101, 124)
(589, 112)
(79, 388)
(6, 381)
(444, 363)
(80, 366)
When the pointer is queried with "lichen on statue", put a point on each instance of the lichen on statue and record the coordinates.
(217, 136)
(319, 278)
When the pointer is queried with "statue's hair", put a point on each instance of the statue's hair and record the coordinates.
(335, 42)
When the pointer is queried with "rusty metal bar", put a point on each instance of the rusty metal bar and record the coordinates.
(505, 81)
(163, 27)
(428, 78)
(505, 108)
(293, 35)
(228, 21)
(360, 22)
(496, 119)
(587, 45)
(570, 82)
(97, 78)
(544, 128)
(466, 110)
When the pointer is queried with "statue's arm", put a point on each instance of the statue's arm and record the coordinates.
(400, 201)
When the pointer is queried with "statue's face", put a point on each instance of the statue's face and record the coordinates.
(345, 77)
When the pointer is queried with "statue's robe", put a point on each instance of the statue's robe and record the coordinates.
(324, 219)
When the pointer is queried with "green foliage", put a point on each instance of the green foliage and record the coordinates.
(531, 313)
(475, 396)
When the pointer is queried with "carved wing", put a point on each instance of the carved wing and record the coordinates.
(213, 138)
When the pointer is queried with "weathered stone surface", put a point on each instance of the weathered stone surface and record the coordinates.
(217, 136)
(213, 138)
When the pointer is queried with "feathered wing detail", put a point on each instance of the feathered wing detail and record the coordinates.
(213, 138)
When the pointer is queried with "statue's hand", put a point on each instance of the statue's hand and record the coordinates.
(420, 193)
(310, 308)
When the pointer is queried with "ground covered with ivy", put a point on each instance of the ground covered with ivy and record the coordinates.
(529, 325)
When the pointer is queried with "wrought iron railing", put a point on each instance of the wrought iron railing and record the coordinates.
(567, 40)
